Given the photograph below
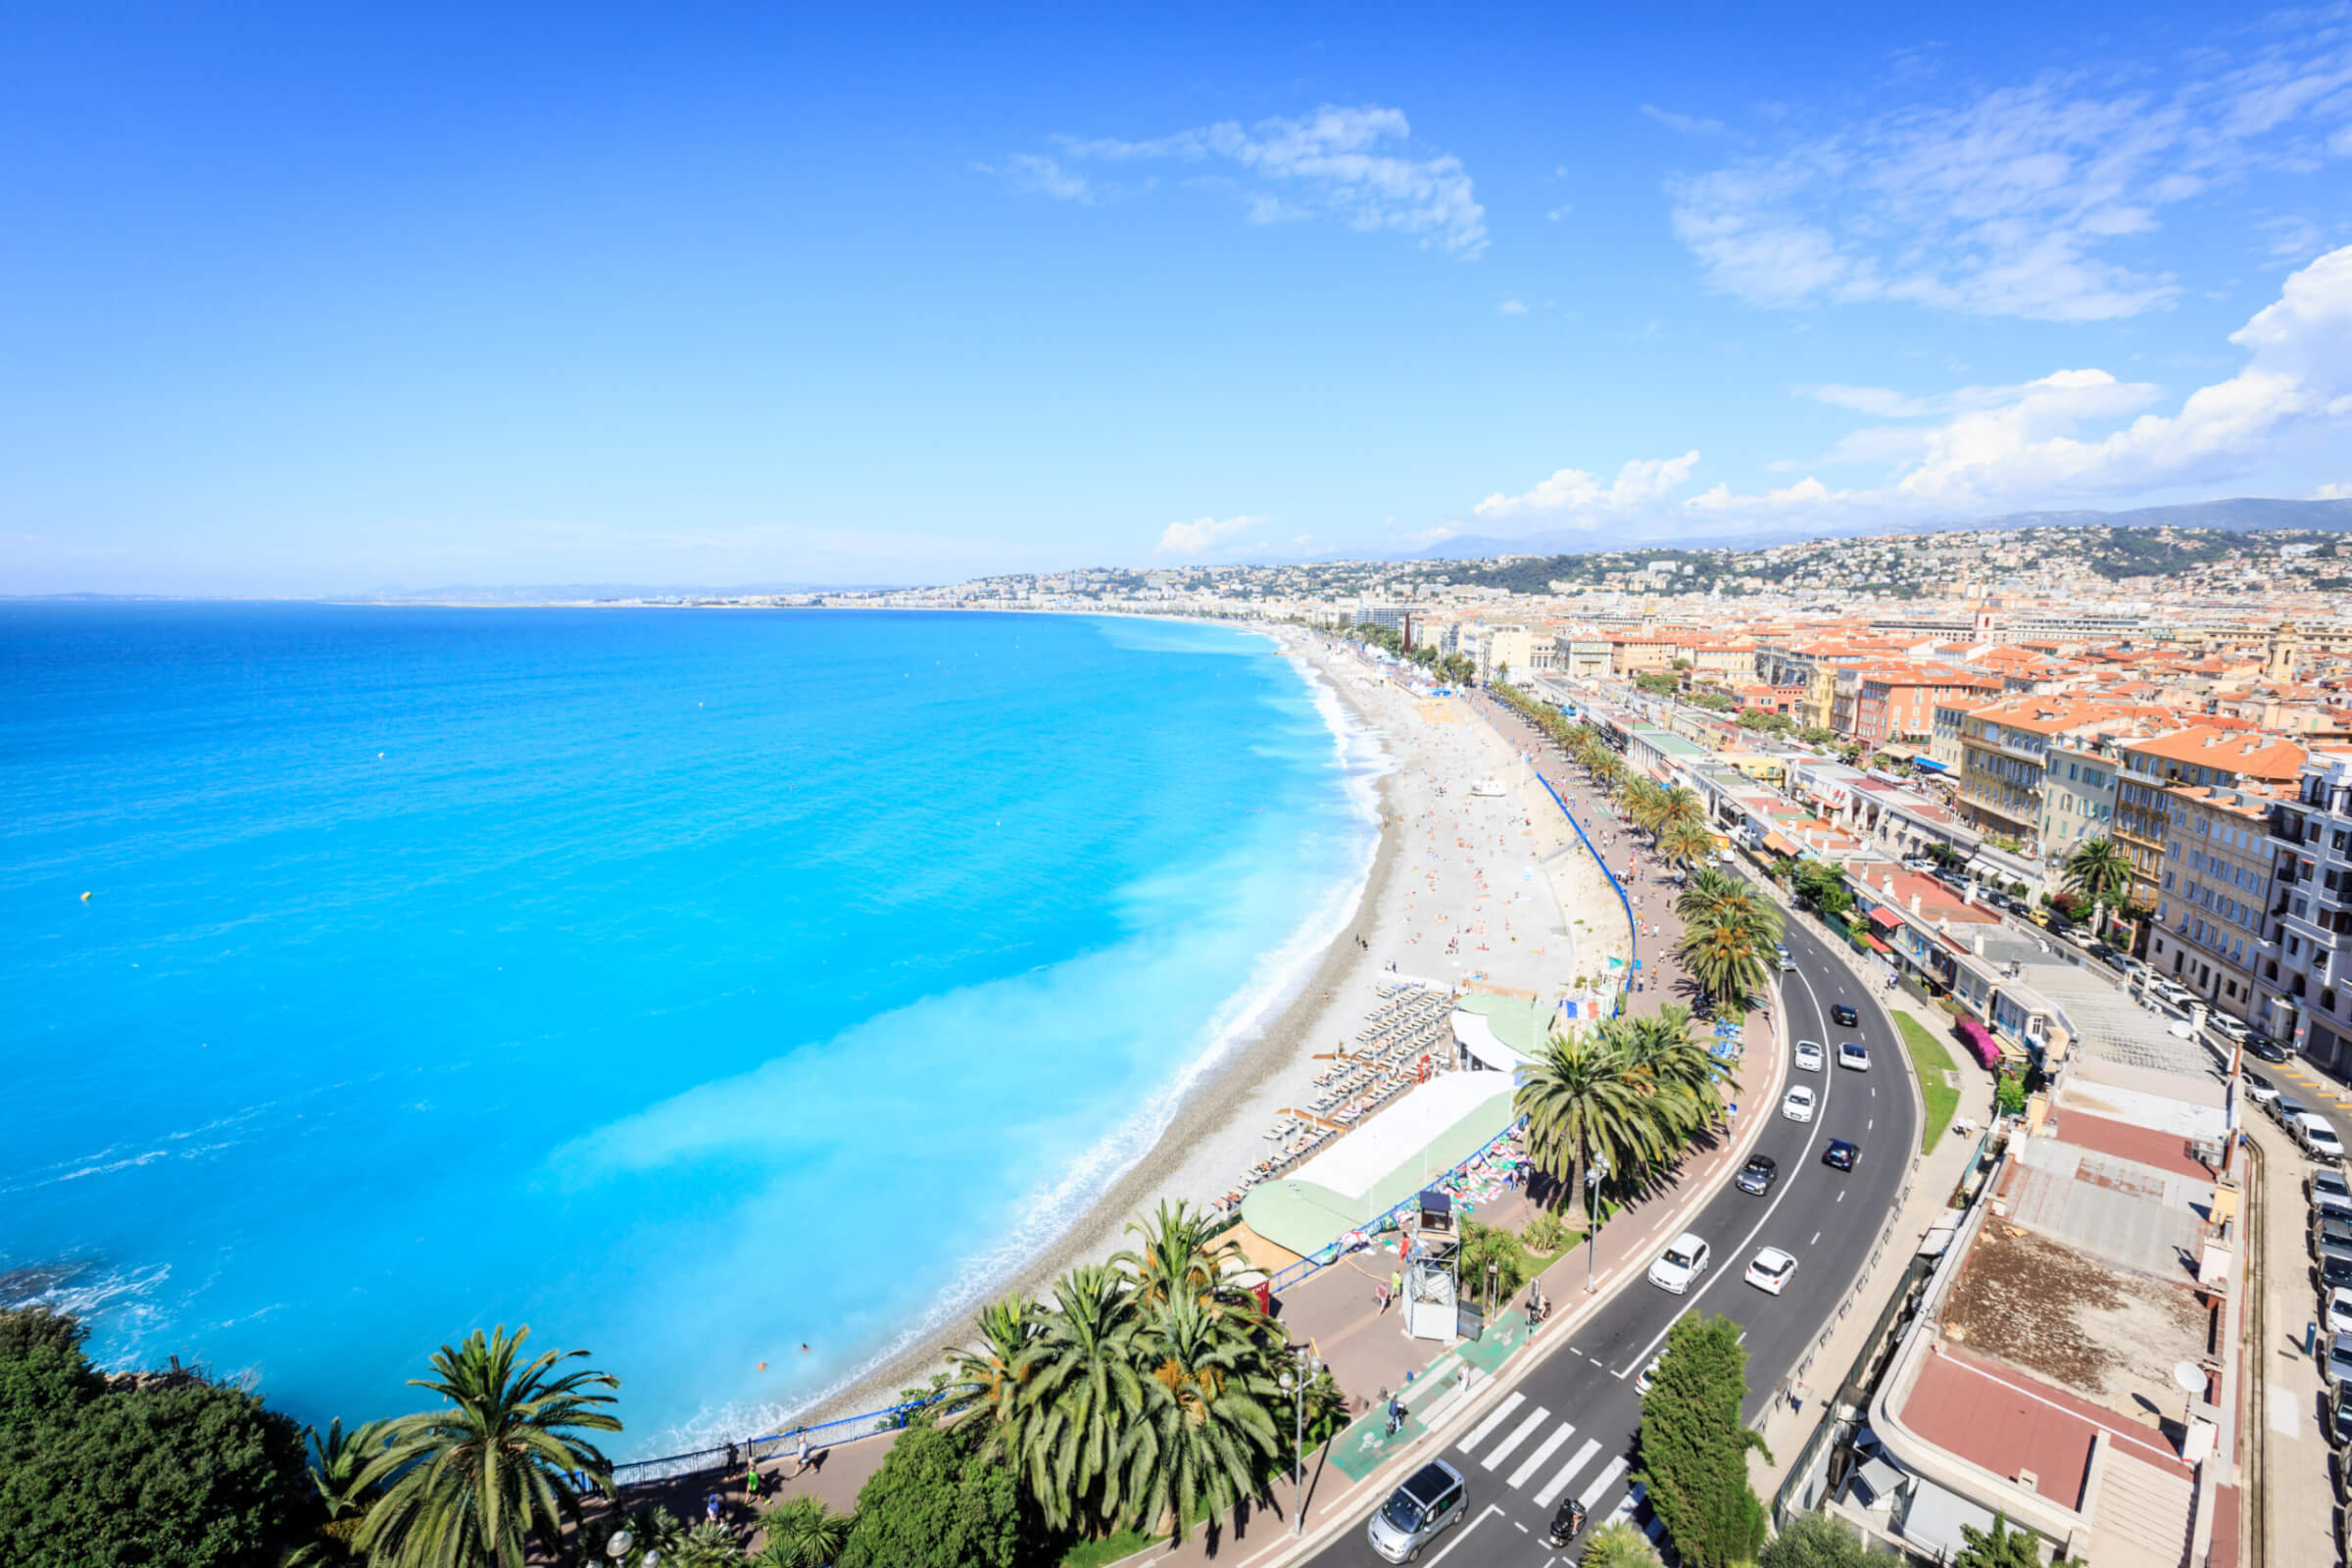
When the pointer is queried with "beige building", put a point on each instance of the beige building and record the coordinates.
(2216, 888)
(2077, 794)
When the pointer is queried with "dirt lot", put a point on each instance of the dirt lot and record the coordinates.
(2111, 1335)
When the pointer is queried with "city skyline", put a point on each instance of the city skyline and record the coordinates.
(334, 304)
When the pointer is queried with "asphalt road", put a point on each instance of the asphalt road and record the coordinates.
(1567, 1429)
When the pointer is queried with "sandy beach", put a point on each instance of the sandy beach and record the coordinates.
(1463, 887)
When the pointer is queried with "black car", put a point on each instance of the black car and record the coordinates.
(1758, 1174)
(2330, 1237)
(2335, 1273)
(2339, 1420)
(1847, 1016)
(1840, 1153)
(2265, 1047)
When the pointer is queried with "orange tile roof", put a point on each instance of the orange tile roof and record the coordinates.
(2254, 756)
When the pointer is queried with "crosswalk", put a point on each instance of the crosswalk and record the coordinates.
(1504, 1438)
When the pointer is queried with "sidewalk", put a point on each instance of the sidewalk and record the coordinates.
(2298, 1499)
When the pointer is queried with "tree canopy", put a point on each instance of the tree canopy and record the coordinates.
(1693, 1446)
(176, 1470)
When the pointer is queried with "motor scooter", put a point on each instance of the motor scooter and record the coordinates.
(1566, 1523)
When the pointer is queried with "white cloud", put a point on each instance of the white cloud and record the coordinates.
(1512, 308)
(2332, 492)
(2005, 204)
(2035, 445)
(1638, 484)
(1352, 164)
(1202, 533)
(1027, 171)
(1687, 124)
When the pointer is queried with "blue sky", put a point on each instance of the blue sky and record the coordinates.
(322, 299)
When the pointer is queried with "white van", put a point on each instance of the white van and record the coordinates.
(2318, 1139)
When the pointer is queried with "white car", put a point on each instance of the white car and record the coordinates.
(2319, 1140)
(1771, 1269)
(2229, 1028)
(1682, 1262)
(1808, 1055)
(1798, 1104)
(1854, 1054)
(2339, 1311)
(1647, 1375)
(2261, 1091)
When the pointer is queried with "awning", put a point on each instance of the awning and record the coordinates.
(1876, 946)
(1930, 763)
(1886, 919)
(1477, 1037)
(1779, 844)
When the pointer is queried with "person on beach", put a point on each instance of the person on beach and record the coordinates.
(800, 1457)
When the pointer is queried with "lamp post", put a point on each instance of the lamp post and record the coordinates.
(1293, 1382)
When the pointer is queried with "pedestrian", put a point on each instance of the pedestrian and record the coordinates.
(1461, 1380)
(1379, 1294)
(800, 1456)
(1396, 1284)
(710, 1508)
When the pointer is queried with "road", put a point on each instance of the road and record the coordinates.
(1567, 1428)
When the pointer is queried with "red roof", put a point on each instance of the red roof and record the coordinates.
(2005, 1420)
(1887, 918)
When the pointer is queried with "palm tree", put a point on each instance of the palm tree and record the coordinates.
(1585, 1099)
(1083, 1392)
(338, 1458)
(471, 1483)
(2099, 870)
(1204, 1438)
(1645, 802)
(1678, 1066)
(1724, 951)
(1705, 888)
(1176, 1256)
(990, 1378)
(801, 1532)
(1685, 842)
(1681, 804)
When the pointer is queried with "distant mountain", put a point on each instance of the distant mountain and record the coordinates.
(2240, 514)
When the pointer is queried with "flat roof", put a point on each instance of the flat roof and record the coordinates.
(1434, 1127)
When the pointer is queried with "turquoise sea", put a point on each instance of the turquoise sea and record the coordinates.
(688, 985)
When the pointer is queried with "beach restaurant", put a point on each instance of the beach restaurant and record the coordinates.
(1382, 1163)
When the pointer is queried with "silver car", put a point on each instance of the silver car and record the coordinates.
(1417, 1512)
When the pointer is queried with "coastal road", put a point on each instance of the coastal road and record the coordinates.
(1567, 1429)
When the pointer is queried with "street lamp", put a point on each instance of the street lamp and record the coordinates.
(1293, 1382)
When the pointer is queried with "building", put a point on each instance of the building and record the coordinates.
(2305, 993)
(1898, 701)
(2077, 796)
(2004, 757)
(2200, 755)
(2214, 899)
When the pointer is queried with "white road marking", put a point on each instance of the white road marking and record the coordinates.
(1535, 1460)
(1816, 1237)
(1490, 1512)
(1567, 1473)
(1486, 1427)
(1842, 1197)
(1525, 1430)
(1607, 1480)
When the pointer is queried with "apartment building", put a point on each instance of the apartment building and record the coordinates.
(2006, 751)
(2201, 757)
(2077, 794)
(2305, 999)
(1898, 701)
(2213, 900)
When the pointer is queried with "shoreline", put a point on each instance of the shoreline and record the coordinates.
(1203, 1148)
(1456, 914)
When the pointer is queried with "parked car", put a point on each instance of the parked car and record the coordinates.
(2335, 1359)
(2337, 1317)
(2330, 1192)
(1808, 1055)
(2330, 1237)
(2260, 1090)
(2334, 1272)
(1431, 1500)
(1758, 1174)
(2319, 1139)
(2284, 1109)
(1844, 1016)
(2229, 1028)
(1682, 1262)
(1798, 1104)
(1771, 1269)
(1854, 1054)
(2338, 1423)
(2264, 1046)
(2180, 996)
(2113, 960)
(1841, 1154)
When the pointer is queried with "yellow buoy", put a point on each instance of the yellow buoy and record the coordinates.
(85, 897)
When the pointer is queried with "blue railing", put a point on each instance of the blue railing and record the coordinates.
(1632, 925)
